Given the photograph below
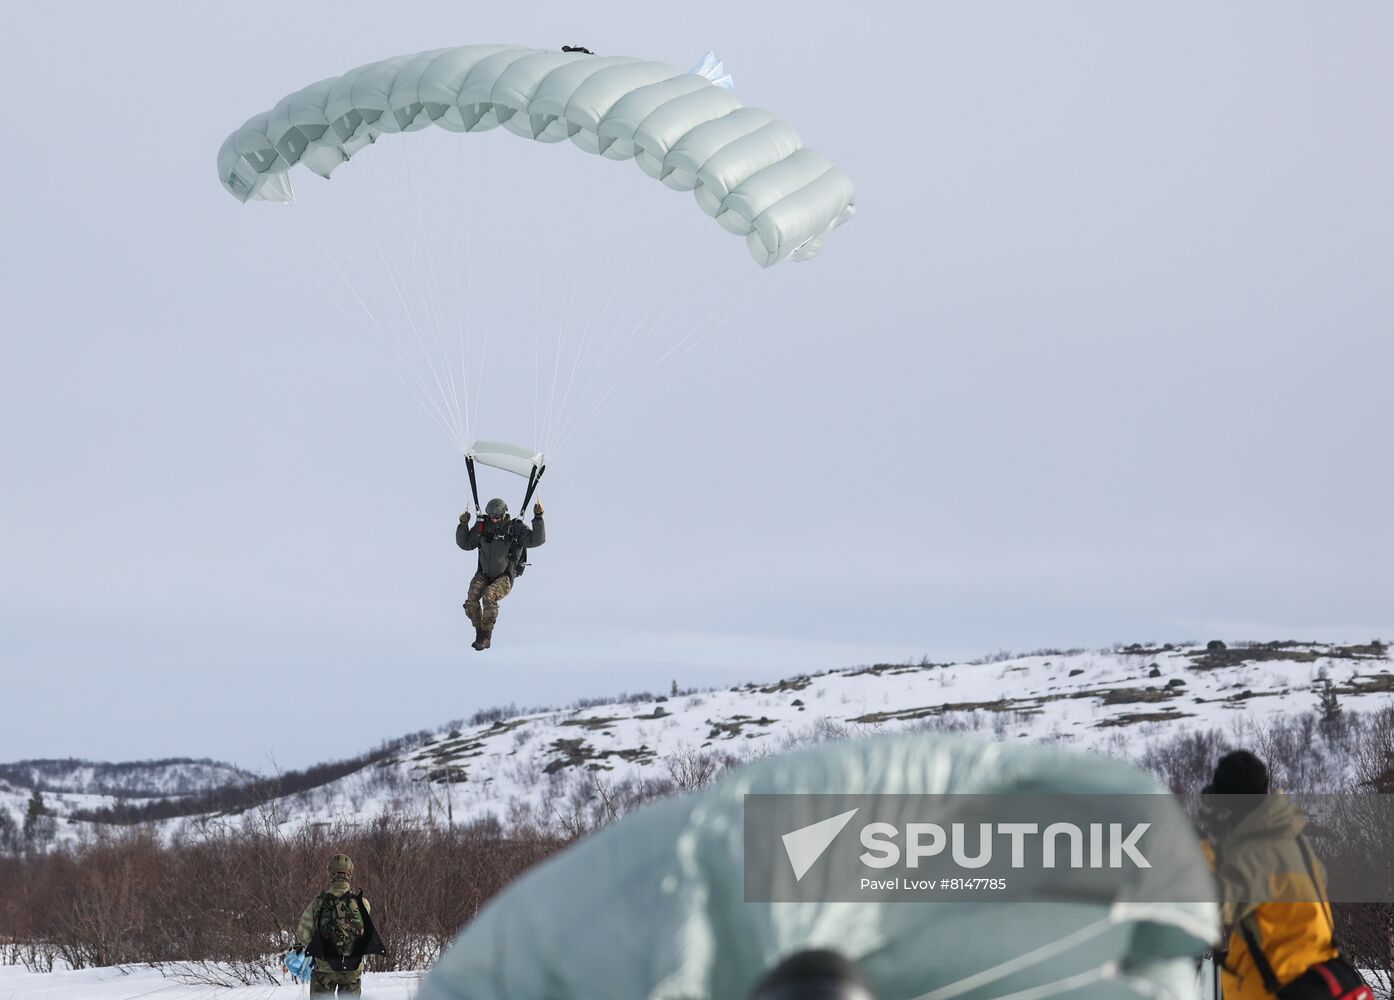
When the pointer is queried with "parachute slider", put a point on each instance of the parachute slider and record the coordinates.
(510, 458)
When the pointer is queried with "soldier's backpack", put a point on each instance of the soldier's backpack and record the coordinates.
(1335, 979)
(344, 931)
(517, 552)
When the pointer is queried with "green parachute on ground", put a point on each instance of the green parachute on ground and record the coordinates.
(658, 905)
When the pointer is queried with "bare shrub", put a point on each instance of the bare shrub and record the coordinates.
(221, 905)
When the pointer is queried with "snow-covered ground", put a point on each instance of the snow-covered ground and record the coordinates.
(1119, 701)
(146, 983)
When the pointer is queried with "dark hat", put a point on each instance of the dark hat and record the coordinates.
(1238, 773)
(814, 975)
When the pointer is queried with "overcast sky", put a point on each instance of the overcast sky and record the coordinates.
(1104, 356)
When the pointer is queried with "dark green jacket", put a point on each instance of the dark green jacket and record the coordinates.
(493, 546)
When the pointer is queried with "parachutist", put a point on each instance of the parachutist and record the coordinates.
(503, 545)
(577, 48)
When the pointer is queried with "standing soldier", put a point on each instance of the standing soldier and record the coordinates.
(503, 552)
(337, 930)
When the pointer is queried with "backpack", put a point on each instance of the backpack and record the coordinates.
(344, 932)
(517, 553)
(1335, 979)
(340, 922)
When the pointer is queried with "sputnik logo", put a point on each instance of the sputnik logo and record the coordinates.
(806, 845)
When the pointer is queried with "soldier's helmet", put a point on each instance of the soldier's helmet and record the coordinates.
(496, 509)
(341, 864)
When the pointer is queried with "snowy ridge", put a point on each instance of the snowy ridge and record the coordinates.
(68, 785)
(1121, 701)
(540, 764)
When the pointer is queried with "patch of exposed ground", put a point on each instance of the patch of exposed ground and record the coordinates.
(1141, 649)
(579, 753)
(1369, 684)
(1136, 718)
(1289, 650)
(593, 723)
(793, 684)
(444, 761)
(1032, 705)
(1132, 696)
(726, 729)
(877, 669)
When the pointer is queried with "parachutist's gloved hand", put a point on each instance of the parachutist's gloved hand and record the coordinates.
(537, 509)
(465, 518)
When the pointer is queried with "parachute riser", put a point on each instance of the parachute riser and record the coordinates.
(474, 486)
(534, 477)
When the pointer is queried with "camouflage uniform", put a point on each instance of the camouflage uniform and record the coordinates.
(326, 980)
(494, 578)
(482, 600)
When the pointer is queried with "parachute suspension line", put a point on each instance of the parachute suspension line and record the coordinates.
(535, 236)
(406, 309)
(612, 397)
(431, 303)
(615, 394)
(1036, 956)
(612, 238)
(566, 324)
(611, 350)
(419, 394)
(412, 255)
(461, 270)
(487, 322)
(594, 321)
(419, 391)
(406, 362)
(609, 394)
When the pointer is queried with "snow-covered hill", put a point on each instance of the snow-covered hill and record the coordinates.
(1124, 701)
(70, 784)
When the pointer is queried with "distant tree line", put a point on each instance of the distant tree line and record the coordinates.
(238, 798)
(135, 779)
(222, 907)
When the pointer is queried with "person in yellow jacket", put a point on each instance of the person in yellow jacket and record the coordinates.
(1272, 888)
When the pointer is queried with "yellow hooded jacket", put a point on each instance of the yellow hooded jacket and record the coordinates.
(1264, 881)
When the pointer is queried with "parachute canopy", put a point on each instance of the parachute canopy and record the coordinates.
(748, 169)
(655, 906)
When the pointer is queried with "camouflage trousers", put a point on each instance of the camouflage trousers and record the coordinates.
(482, 601)
(324, 981)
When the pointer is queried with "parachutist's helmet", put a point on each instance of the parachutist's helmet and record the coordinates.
(814, 975)
(341, 864)
(496, 509)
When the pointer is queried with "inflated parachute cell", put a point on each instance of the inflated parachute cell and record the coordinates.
(748, 169)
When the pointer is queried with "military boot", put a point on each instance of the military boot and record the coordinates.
(484, 636)
(480, 641)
